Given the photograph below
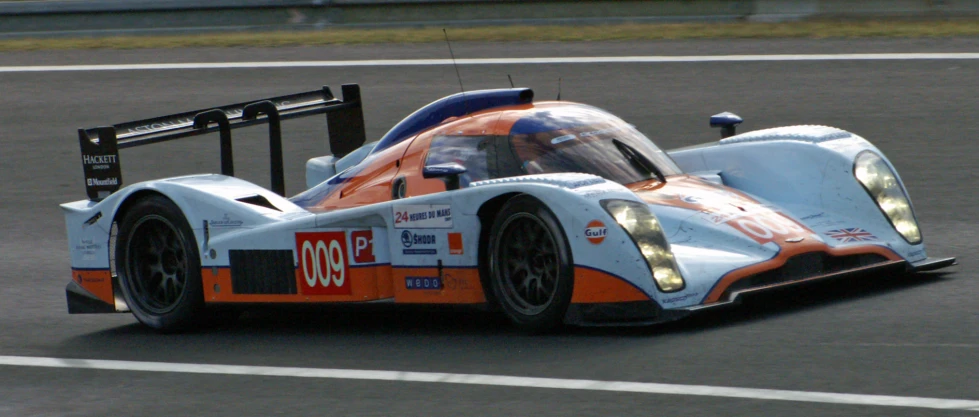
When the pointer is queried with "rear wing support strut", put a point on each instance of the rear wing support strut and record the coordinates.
(345, 123)
(217, 116)
(251, 112)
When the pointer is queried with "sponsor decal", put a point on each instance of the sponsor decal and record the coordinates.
(82, 279)
(583, 183)
(225, 221)
(98, 159)
(827, 223)
(564, 138)
(851, 234)
(423, 283)
(97, 182)
(187, 121)
(761, 222)
(323, 263)
(595, 232)
(457, 283)
(409, 239)
(599, 132)
(813, 216)
(455, 243)
(99, 162)
(680, 298)
(595, 193)
(431, 216)
(692, 199)
(363, 241)
(88, 245)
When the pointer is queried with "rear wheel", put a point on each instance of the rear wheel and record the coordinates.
(531, 271)
(159, 265)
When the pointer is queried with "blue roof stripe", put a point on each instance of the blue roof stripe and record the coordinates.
(452, 106)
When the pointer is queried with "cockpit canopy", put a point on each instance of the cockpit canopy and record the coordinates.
(554, 139)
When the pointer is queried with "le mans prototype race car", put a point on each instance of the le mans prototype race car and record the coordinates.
(553, 212)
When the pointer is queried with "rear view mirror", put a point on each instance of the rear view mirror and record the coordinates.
(448, 172)
(727, 122)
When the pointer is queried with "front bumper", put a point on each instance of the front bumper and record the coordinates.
(891, 267)
(931, 264)
(81, 301)
(639, 313)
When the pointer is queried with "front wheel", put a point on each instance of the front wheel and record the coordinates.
(531, 270)
(159, 265)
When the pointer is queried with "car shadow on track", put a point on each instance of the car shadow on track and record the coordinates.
(414, 320)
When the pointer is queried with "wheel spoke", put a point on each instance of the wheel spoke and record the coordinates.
(173, 241)
(159, 290)
(526, 284)
(172, 291)
(528, 264)
(547, 284)
(178, 284)
(159, 265)
(546, 248)
(533, 289)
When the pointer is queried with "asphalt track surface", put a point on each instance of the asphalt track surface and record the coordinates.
(896, 336)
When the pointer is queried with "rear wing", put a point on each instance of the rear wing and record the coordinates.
(100, 145)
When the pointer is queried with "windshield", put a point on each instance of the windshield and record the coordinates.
(468, 151)
(586, 139)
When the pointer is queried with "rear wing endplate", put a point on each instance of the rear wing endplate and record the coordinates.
(100, 145)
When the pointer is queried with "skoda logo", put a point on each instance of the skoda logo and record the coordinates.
(406, 238)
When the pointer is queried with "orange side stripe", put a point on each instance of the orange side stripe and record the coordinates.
(460, 286)
(593, 286)
(97, 282)
(363, 287)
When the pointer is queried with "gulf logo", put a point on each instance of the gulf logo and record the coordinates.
(595, 232)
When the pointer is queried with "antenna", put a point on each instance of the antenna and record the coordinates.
(558, 88)
(459, 76)
(511, 80)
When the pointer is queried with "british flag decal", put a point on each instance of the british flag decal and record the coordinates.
(853, 234)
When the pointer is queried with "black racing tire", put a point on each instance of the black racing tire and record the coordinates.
(530, 265)
(159, 266)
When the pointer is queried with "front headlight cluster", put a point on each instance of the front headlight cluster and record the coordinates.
(644, 229)
(883, 186)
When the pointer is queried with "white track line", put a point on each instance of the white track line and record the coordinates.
(498, 61)
(498, 380)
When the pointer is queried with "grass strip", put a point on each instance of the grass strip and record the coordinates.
(550, 33)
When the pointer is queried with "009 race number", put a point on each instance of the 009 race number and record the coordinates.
(323, 263)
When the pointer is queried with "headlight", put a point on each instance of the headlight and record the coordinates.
(645, 231)
(882, 185)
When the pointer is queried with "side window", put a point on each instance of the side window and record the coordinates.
(468, 151)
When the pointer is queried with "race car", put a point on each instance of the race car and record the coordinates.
(552, 212)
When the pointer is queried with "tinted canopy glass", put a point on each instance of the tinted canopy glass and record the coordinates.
(579, 138)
